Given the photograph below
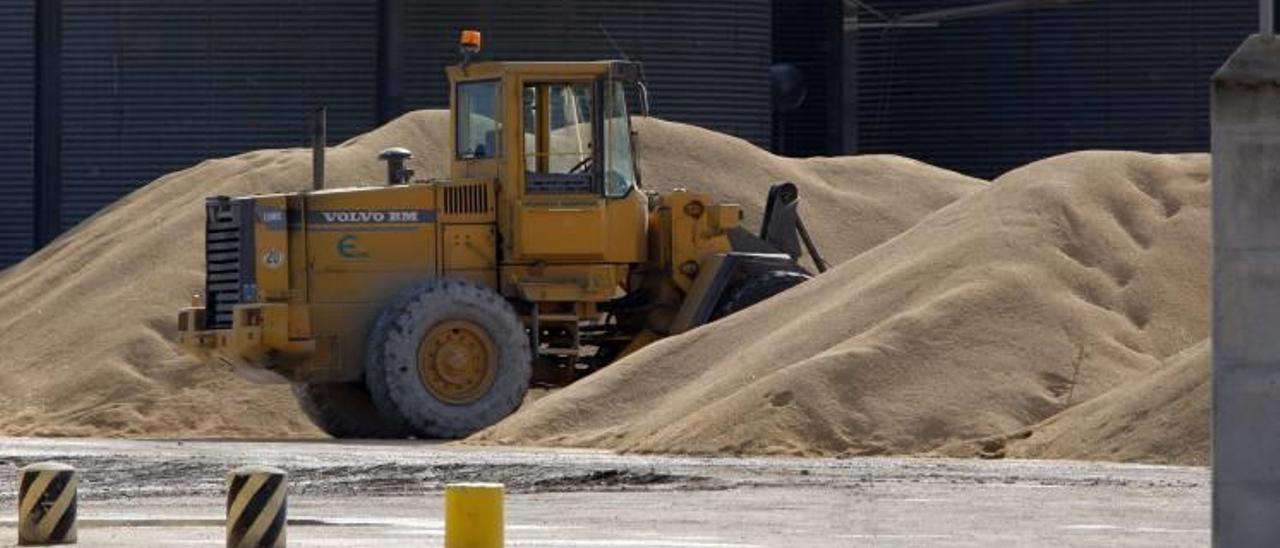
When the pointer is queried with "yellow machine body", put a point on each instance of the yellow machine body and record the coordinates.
(296, 280)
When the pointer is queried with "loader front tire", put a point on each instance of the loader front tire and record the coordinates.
(450, 356)
(345, 410)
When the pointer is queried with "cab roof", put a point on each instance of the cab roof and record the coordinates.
(616, 68)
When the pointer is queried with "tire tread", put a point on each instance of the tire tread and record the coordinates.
(392, 349)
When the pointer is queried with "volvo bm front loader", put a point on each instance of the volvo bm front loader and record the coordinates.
(428, 308)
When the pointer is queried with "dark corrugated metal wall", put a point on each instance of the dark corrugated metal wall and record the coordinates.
(17, 105)
(146, 87)
(150, 87)
(986, 95)
(707, 62)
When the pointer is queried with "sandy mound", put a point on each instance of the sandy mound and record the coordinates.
(851, 203)
(85, 323)
(1061, 281)
(1161, 419)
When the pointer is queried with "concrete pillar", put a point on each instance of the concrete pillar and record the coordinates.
(1246, 297)
(1268, 16)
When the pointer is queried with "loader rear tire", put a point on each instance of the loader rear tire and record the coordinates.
(450, 356)
(756, 289)
(345, 410)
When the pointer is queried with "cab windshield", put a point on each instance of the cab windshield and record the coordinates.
(559, 133)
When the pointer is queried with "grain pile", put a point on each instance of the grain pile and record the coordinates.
(1065, 279)
(851, 203)
(1162, 419)
(85, 324)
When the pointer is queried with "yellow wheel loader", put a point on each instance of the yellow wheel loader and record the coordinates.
(428, 308)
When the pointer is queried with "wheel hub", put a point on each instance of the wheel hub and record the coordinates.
(457, 361)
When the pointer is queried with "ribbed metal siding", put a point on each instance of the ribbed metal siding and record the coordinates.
(985, 95)
(151, 87)
(707, 62)
(17, 128)
(806, 33)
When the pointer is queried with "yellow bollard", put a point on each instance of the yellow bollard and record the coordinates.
(256, 507)
(473, 515)
(47, 504)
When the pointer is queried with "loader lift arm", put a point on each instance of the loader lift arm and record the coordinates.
(784, 229)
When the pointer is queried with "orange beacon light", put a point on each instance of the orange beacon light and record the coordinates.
(470, 41)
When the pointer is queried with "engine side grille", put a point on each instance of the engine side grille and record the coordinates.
(228, 258)
(466, 199)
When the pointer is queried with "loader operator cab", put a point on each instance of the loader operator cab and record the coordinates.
(574, 127)
(555, 139)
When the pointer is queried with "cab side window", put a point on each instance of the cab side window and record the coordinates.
(479, 120)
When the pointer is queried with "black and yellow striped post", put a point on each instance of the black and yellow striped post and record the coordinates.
(47, 504)
(256, 507)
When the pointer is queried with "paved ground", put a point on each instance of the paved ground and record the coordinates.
(169, 493)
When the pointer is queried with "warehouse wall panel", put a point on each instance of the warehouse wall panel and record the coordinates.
(17, 122)
(707, 62)
(985, 95)
(153, 86)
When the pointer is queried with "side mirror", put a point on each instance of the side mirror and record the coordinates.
(644, 98)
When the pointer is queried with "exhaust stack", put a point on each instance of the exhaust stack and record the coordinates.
(395, 158)
(319, 137)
